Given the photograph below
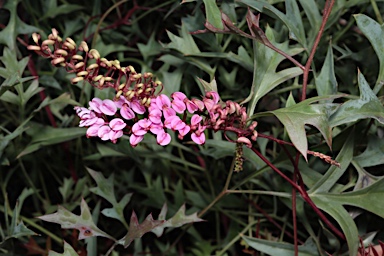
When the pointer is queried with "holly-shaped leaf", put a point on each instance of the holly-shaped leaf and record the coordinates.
(68, 251)
(178, 220)
(295, 117)
(83, 223)
(105, 189)
(137, 230)
(326, 83)
(15, 26)
(367, 106)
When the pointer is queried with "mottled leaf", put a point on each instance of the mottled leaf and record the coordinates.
(137, 230)
(178, 220)
(83, 222)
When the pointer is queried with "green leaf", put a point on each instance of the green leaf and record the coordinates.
(68, 251)
(184, 44)
(213, 13)
(137, 230)
(373, 154)
(294, 119)
(265, 77)
(15, 26)
(83, 223)
(367, 106)
(105, 189)
(296, 23)
(326, 83)
(279, 248)
(343, 218)
(152, 48)
(291, 21)
(62, 9)
(375, 34)
(47, 135)
(178, 220)
(334, 173)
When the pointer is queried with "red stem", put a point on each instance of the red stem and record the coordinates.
(303, 194)
(327, 11)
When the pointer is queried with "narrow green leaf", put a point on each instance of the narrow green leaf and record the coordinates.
(342, 217)
(184, 44)
(367, 106)
(326, 83)
(375, 34)
(213, 13)
(296, 23)
(334, 173)
(279, 248)
(373, 154)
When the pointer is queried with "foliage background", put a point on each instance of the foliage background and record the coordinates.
(45, 156)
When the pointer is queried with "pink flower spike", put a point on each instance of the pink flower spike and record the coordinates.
(196, 119)
(163, 138)
(178, 106)
(198, 139)
(103, 132)
(163, 101)
(137, 107)
(117, 124)
(95, 105)
(134, 140)
(178, 96)
(108, 107)
(126, 112)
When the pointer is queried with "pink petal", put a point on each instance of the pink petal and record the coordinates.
(198, 139)
(163, 138)
(137, 107)
(157, 128)
(92, 131)
(121, 101)
(184, 131)
(208, 103)
(192, 107)
(167, 112)
(199, 104)
(114, 135)
(138, 130)
(155, 116)
(134, 140)
(103, 132)
(196, 119)
(145, 123)
(117, 124)
(95, 105)
(108, 107)
(213, 95)
(178, 106)
(177, 124)
(178, 96)
(163, 101)
(126, 112)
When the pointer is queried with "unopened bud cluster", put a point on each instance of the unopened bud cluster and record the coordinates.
(138, 108)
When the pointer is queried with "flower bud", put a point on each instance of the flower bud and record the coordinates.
(69, 45)
(57, 61)
(48, 42)
(254, 135)
(77, 79)
(33, 48)
(36, 38)
(131, 69)
(245, 140)
(97, 78)
(82, 73)
(61, 52)
(92, 66)
(83, 46)
(77, 57)
(93, 53)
